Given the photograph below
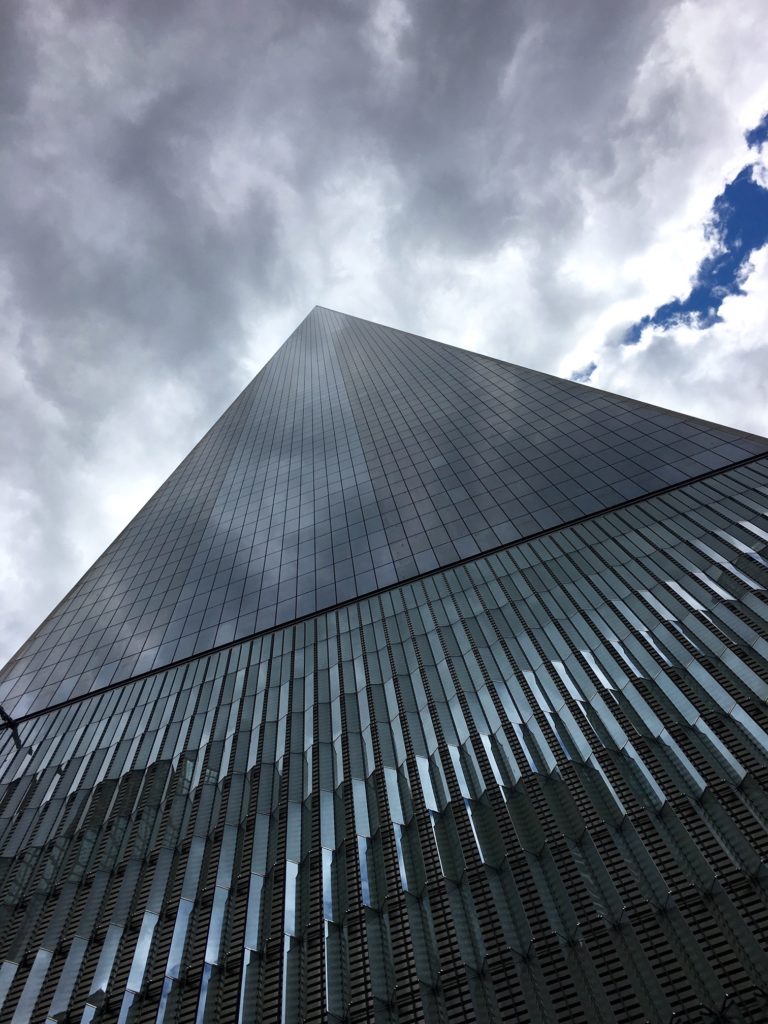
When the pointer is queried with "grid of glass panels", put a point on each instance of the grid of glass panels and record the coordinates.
(360, 456)
(530, 788)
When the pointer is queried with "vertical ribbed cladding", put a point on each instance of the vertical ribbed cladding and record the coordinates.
(271, 990)
(245, 939)
(359, 982)
(399, 979)
(444, 985)
(499, 876)
(532, 787)
(314, 993)
(470, 897)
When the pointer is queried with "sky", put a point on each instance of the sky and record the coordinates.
(578, 188)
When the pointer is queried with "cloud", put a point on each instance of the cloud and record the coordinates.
(181, 185)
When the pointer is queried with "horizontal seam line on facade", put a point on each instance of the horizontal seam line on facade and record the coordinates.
(8, 722)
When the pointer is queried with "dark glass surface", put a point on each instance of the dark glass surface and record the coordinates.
(360, 456)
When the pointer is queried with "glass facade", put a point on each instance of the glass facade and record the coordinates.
(524, 782)
(360, 456)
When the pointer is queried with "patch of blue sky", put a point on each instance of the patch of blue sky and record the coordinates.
(584, 375)
(757, 136)
(738, 227)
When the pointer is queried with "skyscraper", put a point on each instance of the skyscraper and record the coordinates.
(427, 688)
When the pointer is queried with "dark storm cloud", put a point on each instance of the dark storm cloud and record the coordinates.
(119, 148)
(182, 182)
(487, 93)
